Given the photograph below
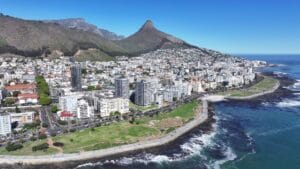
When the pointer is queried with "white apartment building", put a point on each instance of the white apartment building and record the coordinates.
(109, 105)
(5, 124)
(22, 118)
(69, 103)
(84, 110)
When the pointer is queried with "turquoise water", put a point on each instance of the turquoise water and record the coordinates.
(258, 135)
(274, 127)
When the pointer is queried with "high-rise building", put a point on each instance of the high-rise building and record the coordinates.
(122, 88)
(76, 77)
(5, 124)
(143, 93)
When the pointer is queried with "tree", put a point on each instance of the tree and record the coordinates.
(43, 91)
(13, 147)
(44, 100)
(91, 88)
(16, 93)
(9, 101)
(84, 71)
(43, 146)
(54, 108)
(17, 109)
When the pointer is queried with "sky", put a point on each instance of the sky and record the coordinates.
(230, 26)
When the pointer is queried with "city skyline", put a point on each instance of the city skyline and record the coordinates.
(251, 27)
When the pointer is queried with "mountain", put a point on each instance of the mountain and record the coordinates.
(75, 37)
(81, 24)
(34, 38)
(149, 38)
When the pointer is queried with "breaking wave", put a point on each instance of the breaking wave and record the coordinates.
(288, 103)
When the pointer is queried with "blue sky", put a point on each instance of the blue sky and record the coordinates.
(231, 26)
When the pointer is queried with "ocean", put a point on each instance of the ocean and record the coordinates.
(263, 134)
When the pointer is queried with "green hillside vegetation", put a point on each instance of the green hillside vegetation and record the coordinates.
(2, 41)
(93, 55)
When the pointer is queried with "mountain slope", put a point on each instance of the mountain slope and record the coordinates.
(33, 38)
(81, 24)
(148, 38)
(39, 38)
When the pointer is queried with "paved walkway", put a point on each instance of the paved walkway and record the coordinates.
(46, 159)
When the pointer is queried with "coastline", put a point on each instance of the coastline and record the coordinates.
(204, 119)
(60, 158)
(273, 89)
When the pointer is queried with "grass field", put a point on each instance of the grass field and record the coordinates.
(115, 134)
(266, 84)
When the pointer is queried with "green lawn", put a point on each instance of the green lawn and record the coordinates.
(266, 84)
(114, 134)
(27, 149)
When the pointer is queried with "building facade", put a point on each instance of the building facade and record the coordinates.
(143, 93)
(111, 105)
(76, 77)
(5, 124)
(122, 88)
(84, 109)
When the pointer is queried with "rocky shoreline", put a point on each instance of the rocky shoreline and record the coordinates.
(276, 95)
(205, 127)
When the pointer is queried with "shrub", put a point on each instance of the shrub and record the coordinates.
(58, 144)
(72, 130)
(42, 136)
(54, 108)
(13, 146)
(43, 146)
(45, 125)
(62, 122)
(33, 138)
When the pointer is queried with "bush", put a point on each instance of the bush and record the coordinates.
(42, 136)
(13, 147)
(45, 125)
(72, 130)
(58, 144)
(43, 146)
(54, 108)
(62, 122)
(33, 138)
(31, 125)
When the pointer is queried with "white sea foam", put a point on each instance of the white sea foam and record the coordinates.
(289, 103)
(279, 73)
(193, 146)
(230, 156)
(196, 143)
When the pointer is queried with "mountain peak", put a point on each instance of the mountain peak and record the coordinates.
(148, 25)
